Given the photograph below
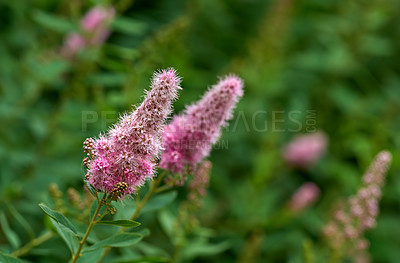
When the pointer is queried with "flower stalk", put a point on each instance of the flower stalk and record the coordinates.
(93, 221)
(33, 243)
(154, 188)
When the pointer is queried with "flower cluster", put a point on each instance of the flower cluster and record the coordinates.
(122, 160)
(345, 231)
(307, 194)
(199, 184)
(94, 27)
(304, 150)
(190, 136)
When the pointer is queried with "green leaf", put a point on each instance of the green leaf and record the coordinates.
(108, 79)
(128, 26)
(201, 248)
(118, 240)
(159, 201)
(56, 23)
(51, 71)
(4, 258)
(167, 222)
(92, 256)
(121, 52)
(21, 220)
(11, 236)
(123, 223)
(70, 239)
(144, 232)
(59, 218)
(125, 210)
(144, 259)
(94, 207)
(92, 190)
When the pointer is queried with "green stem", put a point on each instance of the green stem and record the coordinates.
(153, 189)
(33, 243)
(140, 204)
(92, 223)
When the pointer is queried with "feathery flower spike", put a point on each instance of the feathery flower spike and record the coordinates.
(189, 137)
(124, 158)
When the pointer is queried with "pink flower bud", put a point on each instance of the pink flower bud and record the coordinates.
(303, 151)
(307, 194)
(72, 45)
(97, 17)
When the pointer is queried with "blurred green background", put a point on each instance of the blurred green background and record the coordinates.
(336, 62)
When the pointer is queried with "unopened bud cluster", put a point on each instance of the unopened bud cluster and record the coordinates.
(345, 231)
(199, 184)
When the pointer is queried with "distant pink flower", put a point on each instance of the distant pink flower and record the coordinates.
(304, 150)
(72, 45)
(96, 17)
(96, 22)
(124, 158)
(345, 231)
(307, 194)
(189, 137)
(95, 27)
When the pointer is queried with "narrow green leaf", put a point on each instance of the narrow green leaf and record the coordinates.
(167, 222)
(128, 26)
(4, 258)
(118, 240)
(201, 248)
(58, 217)
(70, 239)
(21, 220)
(92, 256)
(124, 210)
(108, 79)
(159, 201)
(49, 21)
(144, 232)
(94, 207)
(123, 223)
(11, 236)
(91, 189)
(121, 52)
(144, 259)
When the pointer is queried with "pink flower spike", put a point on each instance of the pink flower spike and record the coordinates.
(189, 137)
(360, 211)
(97, 17)
(307, 194)
(72, 45)
(305, 150)
(125, 157)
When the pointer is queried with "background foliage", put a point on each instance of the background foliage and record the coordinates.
(336, 62)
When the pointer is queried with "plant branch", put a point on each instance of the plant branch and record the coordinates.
(153, 189)
(33, 243)
(92, 223)
(140, 204)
